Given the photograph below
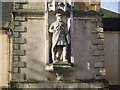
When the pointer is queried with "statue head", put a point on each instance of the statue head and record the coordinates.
(59, 17)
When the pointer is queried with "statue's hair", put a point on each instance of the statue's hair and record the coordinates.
(58, 14)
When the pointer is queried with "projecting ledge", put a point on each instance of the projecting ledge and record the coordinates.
(59, 66)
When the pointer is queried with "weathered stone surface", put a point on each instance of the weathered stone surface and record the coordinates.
(16, 46)
(35, 5)
(19, 18)
(100, 41)
(98, 53)
(100, 47)
(101, 52)
(94, 20)
(95, 31)
(15, 70)
(19, 64)
(16, 58)
(19, 40)
(99, 29)
(101, 58)
(97, 41)
(19, 52)
(18, 76)
(100, 35)
(97, 76)
(16, 34)
(99, 65)
(17, 23)
(67, 85)
(21, 29)
(21, 1)
(18, 6)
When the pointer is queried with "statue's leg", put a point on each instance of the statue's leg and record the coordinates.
(54, 54)
(59, 52)
(65, 54)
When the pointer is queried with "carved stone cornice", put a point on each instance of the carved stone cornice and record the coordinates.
(54, 6)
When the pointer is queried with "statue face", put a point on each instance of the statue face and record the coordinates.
(59, 18)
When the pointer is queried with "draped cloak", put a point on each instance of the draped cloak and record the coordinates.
(59, 28)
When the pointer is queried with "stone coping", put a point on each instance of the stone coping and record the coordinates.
(65, 81)
(86, 12)
(29, 12)
(76, 13)
(60, 84)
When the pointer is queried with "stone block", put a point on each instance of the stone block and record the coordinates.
(19, 18)
(100, 47)
(95, 31)
(19, 52)
(17, 23)
(22, 2)
(96, 53)
(99, 65)
(74, 85)
(97, 76)
(100, 41)
(16, 46)
(101, 52)
(18, 6)
(19, 64)
(16, 34)
(18, 76)
(99, 29)
(94, 20)
(100, 36)
(20, 29)
(19, 40)
(97, 41)
(15, 70)
(101, 58)
(16, 58)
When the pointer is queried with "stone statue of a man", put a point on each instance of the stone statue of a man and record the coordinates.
(60, 39)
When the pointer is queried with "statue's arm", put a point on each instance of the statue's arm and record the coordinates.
(51, 29)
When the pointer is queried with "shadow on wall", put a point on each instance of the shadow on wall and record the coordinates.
(7, 8)
(35, 71)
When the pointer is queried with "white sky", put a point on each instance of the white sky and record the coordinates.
(111, 5)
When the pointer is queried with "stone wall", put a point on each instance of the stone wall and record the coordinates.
(30, 51)
(4, 46)
(112, 63)
(29, 45)
(88, 47)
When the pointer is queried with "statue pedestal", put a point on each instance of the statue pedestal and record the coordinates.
(59, 68)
